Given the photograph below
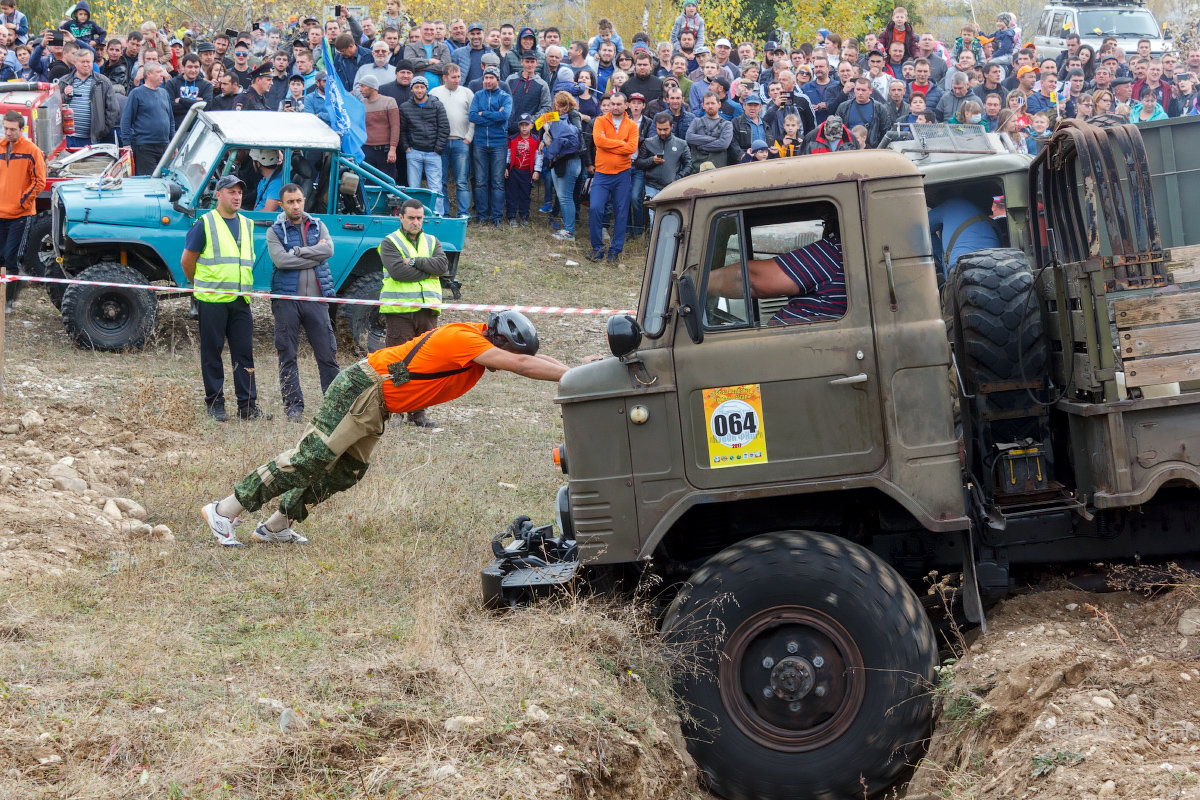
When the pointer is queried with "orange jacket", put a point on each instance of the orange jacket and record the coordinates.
(613, 147)
(22, 178)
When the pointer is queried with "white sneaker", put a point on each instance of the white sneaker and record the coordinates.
(285, 536)
(563, 236)
(221, 526)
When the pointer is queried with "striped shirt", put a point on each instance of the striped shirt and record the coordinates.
(81, 105)
(820, 280)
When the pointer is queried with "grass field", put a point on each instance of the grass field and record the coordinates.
(166, 670)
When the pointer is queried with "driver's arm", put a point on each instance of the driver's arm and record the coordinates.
(766, 280)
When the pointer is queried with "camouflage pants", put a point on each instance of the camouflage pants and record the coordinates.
(333, 453)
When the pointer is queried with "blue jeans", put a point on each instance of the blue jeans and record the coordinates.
(77, 141)
(428, 164)
(637, 187)
(650, 193)
(456, 158)
(564, 189)
(489, 181)
(605, 188)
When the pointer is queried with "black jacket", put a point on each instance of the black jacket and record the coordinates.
(180, 103)
(881, 120)
(425, 127)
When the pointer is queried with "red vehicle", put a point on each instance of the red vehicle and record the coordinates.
(48, 123)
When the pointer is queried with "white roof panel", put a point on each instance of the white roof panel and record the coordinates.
(274, 129)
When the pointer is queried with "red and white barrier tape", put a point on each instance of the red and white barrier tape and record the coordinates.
(336, 300)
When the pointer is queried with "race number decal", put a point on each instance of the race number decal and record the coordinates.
(736, 434)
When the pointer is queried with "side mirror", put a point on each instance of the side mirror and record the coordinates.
(624, 335)
(688, 303)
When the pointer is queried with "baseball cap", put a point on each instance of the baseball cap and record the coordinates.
(371, 81)
(823, 31)
(474, 26)
(723, 42)
(225, 181)
(752, 99)
(1026, 69)
(419, 79)
(525, 118)
(1110, 57)
(527, 32)
(999, 198)
(701, 49)
(771, 46)
(492, 71)
(320, 75)
(529, 55)
(723, 80)
(174, 42)
(206, 47)
(637, 96)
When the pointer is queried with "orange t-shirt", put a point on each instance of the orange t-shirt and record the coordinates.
(450, 347)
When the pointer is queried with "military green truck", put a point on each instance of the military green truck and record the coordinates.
(797, 484)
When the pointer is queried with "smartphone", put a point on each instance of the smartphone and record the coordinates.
(287, 103)
(337, 10)
(231, 33)
(56, 39)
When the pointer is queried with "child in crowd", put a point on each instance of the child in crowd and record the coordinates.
(793, 142)
(1039, 125)
(519, 175)
(859, 132)
(967, 40)
(295, 97)
(1004, 39)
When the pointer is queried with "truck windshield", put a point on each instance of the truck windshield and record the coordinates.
(195, 158)
(666, 242)
(1117, 22)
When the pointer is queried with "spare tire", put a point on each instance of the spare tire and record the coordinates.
(108, 317)
(996, 330)
(363, 324)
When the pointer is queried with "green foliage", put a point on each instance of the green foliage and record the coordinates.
(1045, 763)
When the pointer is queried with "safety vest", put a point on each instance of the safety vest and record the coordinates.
(224, 266)
(427, 292)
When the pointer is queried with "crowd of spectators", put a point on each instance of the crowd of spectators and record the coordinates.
(509, 120)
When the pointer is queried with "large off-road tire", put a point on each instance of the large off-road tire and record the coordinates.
(363, 324)
(39, 258)
(109, 318)
(805, 665)
(996, 329)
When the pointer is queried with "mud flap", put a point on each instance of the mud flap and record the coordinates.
(529, 562)
(972, 602)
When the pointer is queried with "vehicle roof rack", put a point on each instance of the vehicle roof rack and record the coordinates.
(1083, 3)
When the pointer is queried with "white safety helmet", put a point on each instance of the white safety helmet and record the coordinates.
(268, 158)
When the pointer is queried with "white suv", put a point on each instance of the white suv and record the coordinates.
(1127, 21)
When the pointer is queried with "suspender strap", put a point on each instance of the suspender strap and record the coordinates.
(401, 375)
(958, 232)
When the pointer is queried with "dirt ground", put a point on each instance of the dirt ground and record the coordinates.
(138, 660)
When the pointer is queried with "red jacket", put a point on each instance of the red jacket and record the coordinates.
(910, 38)
(817, 142)
(22, 178)
(522, 153)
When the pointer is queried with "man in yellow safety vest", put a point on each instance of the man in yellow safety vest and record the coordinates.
(218, 258)
(413, 263)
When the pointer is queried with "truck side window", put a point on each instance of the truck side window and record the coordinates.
(793, 266)
(725, 304)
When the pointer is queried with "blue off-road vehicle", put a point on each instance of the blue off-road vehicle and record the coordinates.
(132, 231)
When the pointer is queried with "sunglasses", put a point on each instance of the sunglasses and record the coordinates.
(241, 53)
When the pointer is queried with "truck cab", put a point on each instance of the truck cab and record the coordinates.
(132, 231)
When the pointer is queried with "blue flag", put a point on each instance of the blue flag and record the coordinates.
(347, 115)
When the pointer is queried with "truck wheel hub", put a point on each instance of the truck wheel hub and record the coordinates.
(793, 678)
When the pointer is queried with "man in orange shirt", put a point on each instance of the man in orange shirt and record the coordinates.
(22, 178)
(616, 139)
(335, 449)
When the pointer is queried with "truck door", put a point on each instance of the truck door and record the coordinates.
(779, 390)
